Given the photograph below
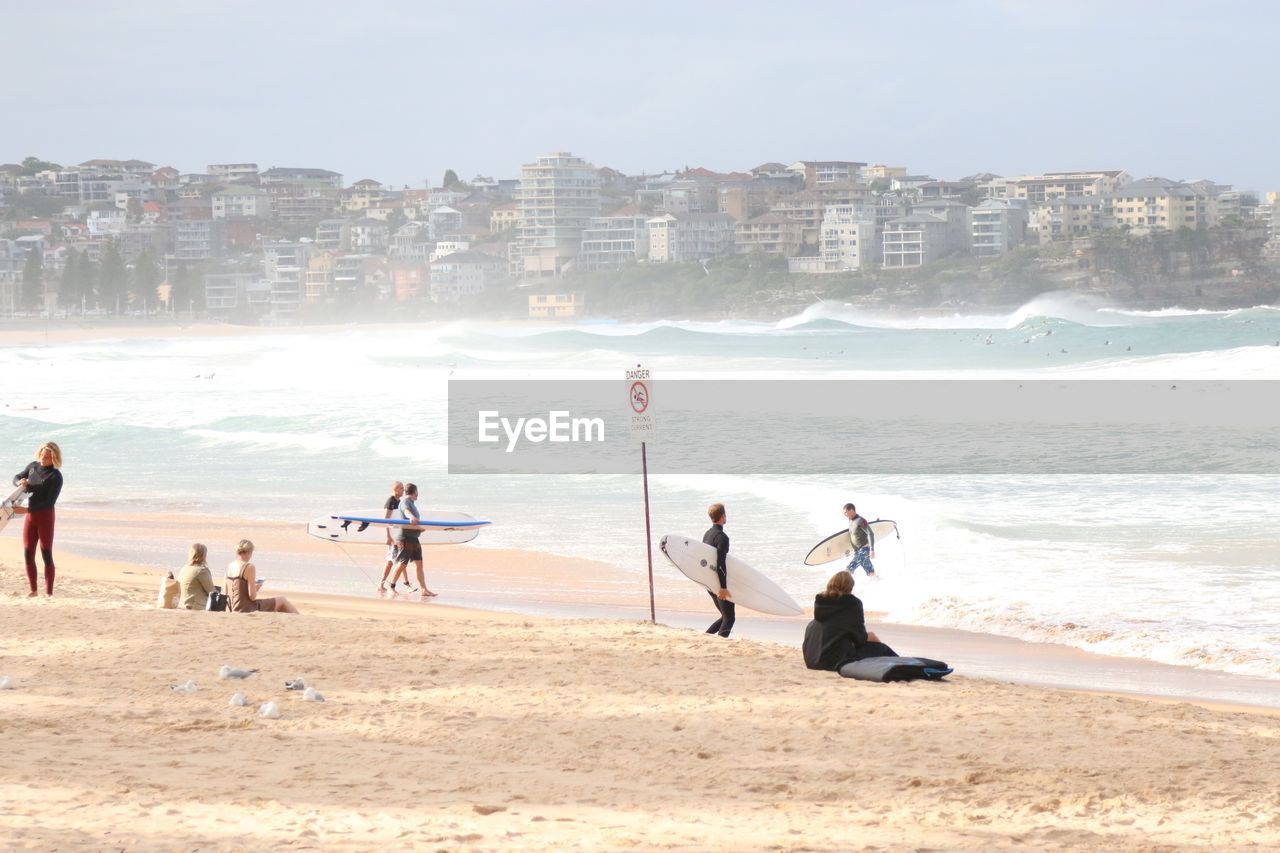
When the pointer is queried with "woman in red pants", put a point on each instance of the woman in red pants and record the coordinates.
(43, 482)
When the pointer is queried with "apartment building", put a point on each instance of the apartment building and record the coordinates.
(226, 294)
(552, 306)
(804, 207)
(881, 172)
(613, 241)
(300, 196)
(690, 237)
(997, 226)
(1066, 218)
(848, 237)
(285, 269)
(241, 201)
(558, 195)
(504, 217)
(770, 234)
(816, 172)
(368, 236)
(444, 220)
(927, 234)
(333, 234)
(691, 194)
(198, 239)
(743, 198)
(463, 274)
(1159, 204)
(1037, 189)
(412, 242)
(319, 286)
(409, 279)
(362, 195)
(234, 173)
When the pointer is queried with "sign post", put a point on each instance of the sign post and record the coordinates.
(643, 429)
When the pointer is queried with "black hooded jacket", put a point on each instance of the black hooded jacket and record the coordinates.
(844, 630)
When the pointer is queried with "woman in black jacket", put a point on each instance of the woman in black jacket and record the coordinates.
(844, 629)
(42, 481)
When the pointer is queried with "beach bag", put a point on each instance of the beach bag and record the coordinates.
(895, 669)
(811, 648)
(170, 589)
(217, 600)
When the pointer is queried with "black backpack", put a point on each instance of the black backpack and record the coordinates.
(217, 600)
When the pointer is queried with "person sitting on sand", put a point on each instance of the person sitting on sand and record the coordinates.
(243, 584)
(844, 629)
(195, 580)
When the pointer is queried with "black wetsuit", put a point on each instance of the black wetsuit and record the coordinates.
(844, 631)
(716, 538)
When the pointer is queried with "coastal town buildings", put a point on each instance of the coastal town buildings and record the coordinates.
(316, 242)
(690, 237)
(613, 241)
(1161, 204)
(997, 226)
(558, 195)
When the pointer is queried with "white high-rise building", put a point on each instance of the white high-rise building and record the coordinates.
(557, 197)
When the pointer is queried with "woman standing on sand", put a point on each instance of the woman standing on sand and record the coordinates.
(42, 480)
(243, 583)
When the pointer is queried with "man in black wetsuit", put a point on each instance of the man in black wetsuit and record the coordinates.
(716, 538)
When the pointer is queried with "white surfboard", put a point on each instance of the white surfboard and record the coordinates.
(839, 545)
(368, 527)
(8, 504)
(747, 587)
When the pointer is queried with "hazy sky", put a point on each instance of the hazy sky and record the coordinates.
(400, 91)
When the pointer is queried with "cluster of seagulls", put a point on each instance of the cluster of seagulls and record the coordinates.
(269, 710)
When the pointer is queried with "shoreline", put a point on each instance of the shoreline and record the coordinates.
(476, 578)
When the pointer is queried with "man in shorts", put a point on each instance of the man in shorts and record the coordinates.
(410, 537)
(864, 541)
(393, 550)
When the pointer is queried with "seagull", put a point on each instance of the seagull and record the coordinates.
(313, 695)
(238, 700)
(188, 686)
(295, 684)
(232, 672)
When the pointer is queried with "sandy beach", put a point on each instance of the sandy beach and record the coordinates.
(462, 729)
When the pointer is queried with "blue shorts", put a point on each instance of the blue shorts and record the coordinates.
(862, 557)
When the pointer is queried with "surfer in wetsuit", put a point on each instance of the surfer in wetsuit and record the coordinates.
(42, 480)
(716, 538)
(864, 541)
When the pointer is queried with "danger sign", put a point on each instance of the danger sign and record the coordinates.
(640, 399)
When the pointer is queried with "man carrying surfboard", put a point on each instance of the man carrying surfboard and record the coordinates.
(864, 541)
(716, 538)
(393, 550)
(410, 544)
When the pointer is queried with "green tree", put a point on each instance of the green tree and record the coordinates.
(145, 279)
(184, 291)
(67, 292)
(133, 209)
(34, 165)
(112, 278)
(33, 279)
(450, 179)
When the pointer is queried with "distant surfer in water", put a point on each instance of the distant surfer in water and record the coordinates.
(393, 546)
(42, 481)
(410, 542)
(864, 541)
(716, 538)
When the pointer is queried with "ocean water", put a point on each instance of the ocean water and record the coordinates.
(286, 427)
